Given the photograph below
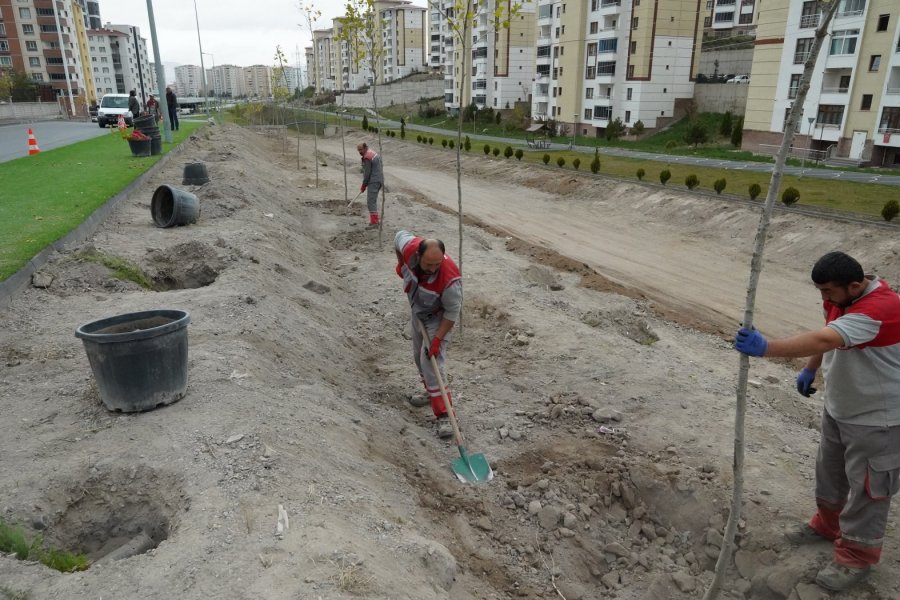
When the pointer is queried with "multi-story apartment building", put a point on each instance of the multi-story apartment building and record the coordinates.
(227, 81)
(119, 61)
(292, 79)
(350, 57)
(852, 109)
(258, 81)
(323, 72)
(501, 60)
(80, 21)
(730, 17)
(310, 66)
(401, 29)
(90, 13)
(600, 60)
(189, 79)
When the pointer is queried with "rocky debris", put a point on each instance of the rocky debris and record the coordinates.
(41, 280)
(808, 591)
(684, 582)
(316, 287)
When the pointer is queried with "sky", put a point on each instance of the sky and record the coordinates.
(235, 32)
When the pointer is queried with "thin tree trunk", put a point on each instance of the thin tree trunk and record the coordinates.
(344, 147)
(380, 151)
(756, 264)
(316, 145)
(462, 89)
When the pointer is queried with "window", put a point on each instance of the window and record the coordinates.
(633, 48)
(874, 62)
(843, 42)
(557, 33)
(792, 88)
(45, 12)
(24, 13)
(830, 114)
(883, 21)
(2, 29)
(602, 112)
(866, 103)
(852, 7)
(31, 46)
(609, 45)
(34, 61)
(37, 76)
(809, 15)
(628, 116)
(628, 92)
(4, 46)
(606, 69)
(6, 61)
(726, 17)
(745, 19)
(594, 27)
(587, 113)
(630, 73)
(707, 21)
(555, 51)
(592, 49)
(589, 93)
(634, 23)
(48, 28)
(802, 50)
(590, 72)
(28, 29)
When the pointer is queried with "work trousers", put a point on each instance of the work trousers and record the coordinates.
(372, 192)
(423, 363)
(857, 473)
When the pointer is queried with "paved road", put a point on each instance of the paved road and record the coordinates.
(49, 135)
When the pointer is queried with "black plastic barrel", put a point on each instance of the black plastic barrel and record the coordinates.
(195, 174)
(139, 360)
(155, 146)
(143, 121)
(171, 206)
(139, 147)
(149, 127)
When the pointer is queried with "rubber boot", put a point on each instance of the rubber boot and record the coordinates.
(373, 219)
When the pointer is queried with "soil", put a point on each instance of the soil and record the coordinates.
(592, 370)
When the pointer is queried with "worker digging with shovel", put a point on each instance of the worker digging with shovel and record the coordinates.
(433, 284)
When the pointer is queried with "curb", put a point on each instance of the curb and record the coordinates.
(13, 284)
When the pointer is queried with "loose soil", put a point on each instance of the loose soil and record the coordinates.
(592, 370)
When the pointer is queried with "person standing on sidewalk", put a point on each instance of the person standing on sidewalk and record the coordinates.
(373, 180)
(858, 463)
(172, 106)
(433, 285)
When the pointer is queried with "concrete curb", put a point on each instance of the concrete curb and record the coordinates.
(10, 286)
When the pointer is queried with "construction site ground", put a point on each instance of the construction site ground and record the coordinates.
(593, 369)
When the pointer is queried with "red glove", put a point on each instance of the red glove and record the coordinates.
(362, 188)
(435, 349)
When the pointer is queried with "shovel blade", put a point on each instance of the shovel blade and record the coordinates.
(472, 468)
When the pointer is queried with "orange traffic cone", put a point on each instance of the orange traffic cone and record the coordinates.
(32, 144)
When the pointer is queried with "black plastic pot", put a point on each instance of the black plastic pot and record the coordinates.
(171, 206)
(139, 147)
(155, 146)
(139, 360)
(195, 174)
(143, 121)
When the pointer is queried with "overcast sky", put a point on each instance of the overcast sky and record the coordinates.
(235, 32)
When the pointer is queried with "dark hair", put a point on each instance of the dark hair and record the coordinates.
(424, 246)
(838, 268)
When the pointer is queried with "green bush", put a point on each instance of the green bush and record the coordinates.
(671, 145)
(640, 174)
(576, 163)
(790, 196)
(737, 132)
(637, 128)
(664, 176)
(452, 144)
(719, 185)
(496, 151)
(487, 149)
(402, 128)
(365, 123)
(890, 210)
(754, 190)
(696, 134)
(430, 141)
(444, 143)
(691, 181)
(725, 125)
(519, 154)
(497, 118)
(508, 151)
(468, 144)
(560, 162)
(546, 159)
(418, 138)
(595, 163)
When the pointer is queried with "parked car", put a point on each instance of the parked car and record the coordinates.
(111, 106)
(739, 79)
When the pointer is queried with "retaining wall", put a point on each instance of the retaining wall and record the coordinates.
(399, 92)
(24, 111)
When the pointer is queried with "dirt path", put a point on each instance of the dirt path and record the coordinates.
(299, 375)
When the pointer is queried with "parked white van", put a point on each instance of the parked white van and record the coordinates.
(111, 106)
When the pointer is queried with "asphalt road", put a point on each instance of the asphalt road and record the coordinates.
(49, 135)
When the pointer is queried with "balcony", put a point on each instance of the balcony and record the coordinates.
(809, 21)
(828, 133)
(887, 137)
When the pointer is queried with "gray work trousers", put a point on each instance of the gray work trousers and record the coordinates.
(372, 192)
(423, 363)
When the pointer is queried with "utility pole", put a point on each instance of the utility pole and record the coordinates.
(160, 72)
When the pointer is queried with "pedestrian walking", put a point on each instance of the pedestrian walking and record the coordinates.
(433, 285)
(153, 108)
(858, 463)
(373, 180)
(134, 105)
(172, 106)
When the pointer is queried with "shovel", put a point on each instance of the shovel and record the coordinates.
(354, 199)
(468, 467)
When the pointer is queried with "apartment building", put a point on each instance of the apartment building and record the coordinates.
(501, 60)
(189, 80)
(600, 60)
(323, 71)
(401, 27)
(852, 109)
(227, 81)
(80, 21)
(90, 13)
(292, 79)
(349, 57)
(726, 18)
(119, 61)
(41, 42)
(257, 81)
(310, 57)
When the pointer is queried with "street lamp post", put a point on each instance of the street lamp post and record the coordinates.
(202, 68)
(160, 73)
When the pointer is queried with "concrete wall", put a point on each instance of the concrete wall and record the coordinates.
(398, 92)
(719, 97)
(730, 61)
(24, 111)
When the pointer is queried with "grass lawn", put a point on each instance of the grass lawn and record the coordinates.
(862, 198)
(47, 195)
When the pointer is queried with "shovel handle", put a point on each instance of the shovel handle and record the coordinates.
(354, 199)
(437, 372)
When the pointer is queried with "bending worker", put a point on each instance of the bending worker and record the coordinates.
(433, 285)
(373, 179)
(858, 463)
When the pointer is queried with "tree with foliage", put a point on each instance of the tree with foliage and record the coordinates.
(497, 118)
(725, 125)
(546, 159)
(519, 154)
(508, 151)
(487, 149)
(737, 132)
(496, 151)
(595, 164)
(615, 129)
(696, 134)
(638, 128)
(402, 128)
(664, 176)
(365, 123)
(890, 210)
(576, 163)
(719, 185)
(640, 174)
(691, 181)
(468, 144)
(16, 86)
(754, 191)
(444, 142)
(560, 162)
(461, 17)
(790, 196)
(310, 16)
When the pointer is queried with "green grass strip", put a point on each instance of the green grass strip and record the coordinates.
(13, 541)
(48, 195)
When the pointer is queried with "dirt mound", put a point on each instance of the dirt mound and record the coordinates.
(184, 266)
